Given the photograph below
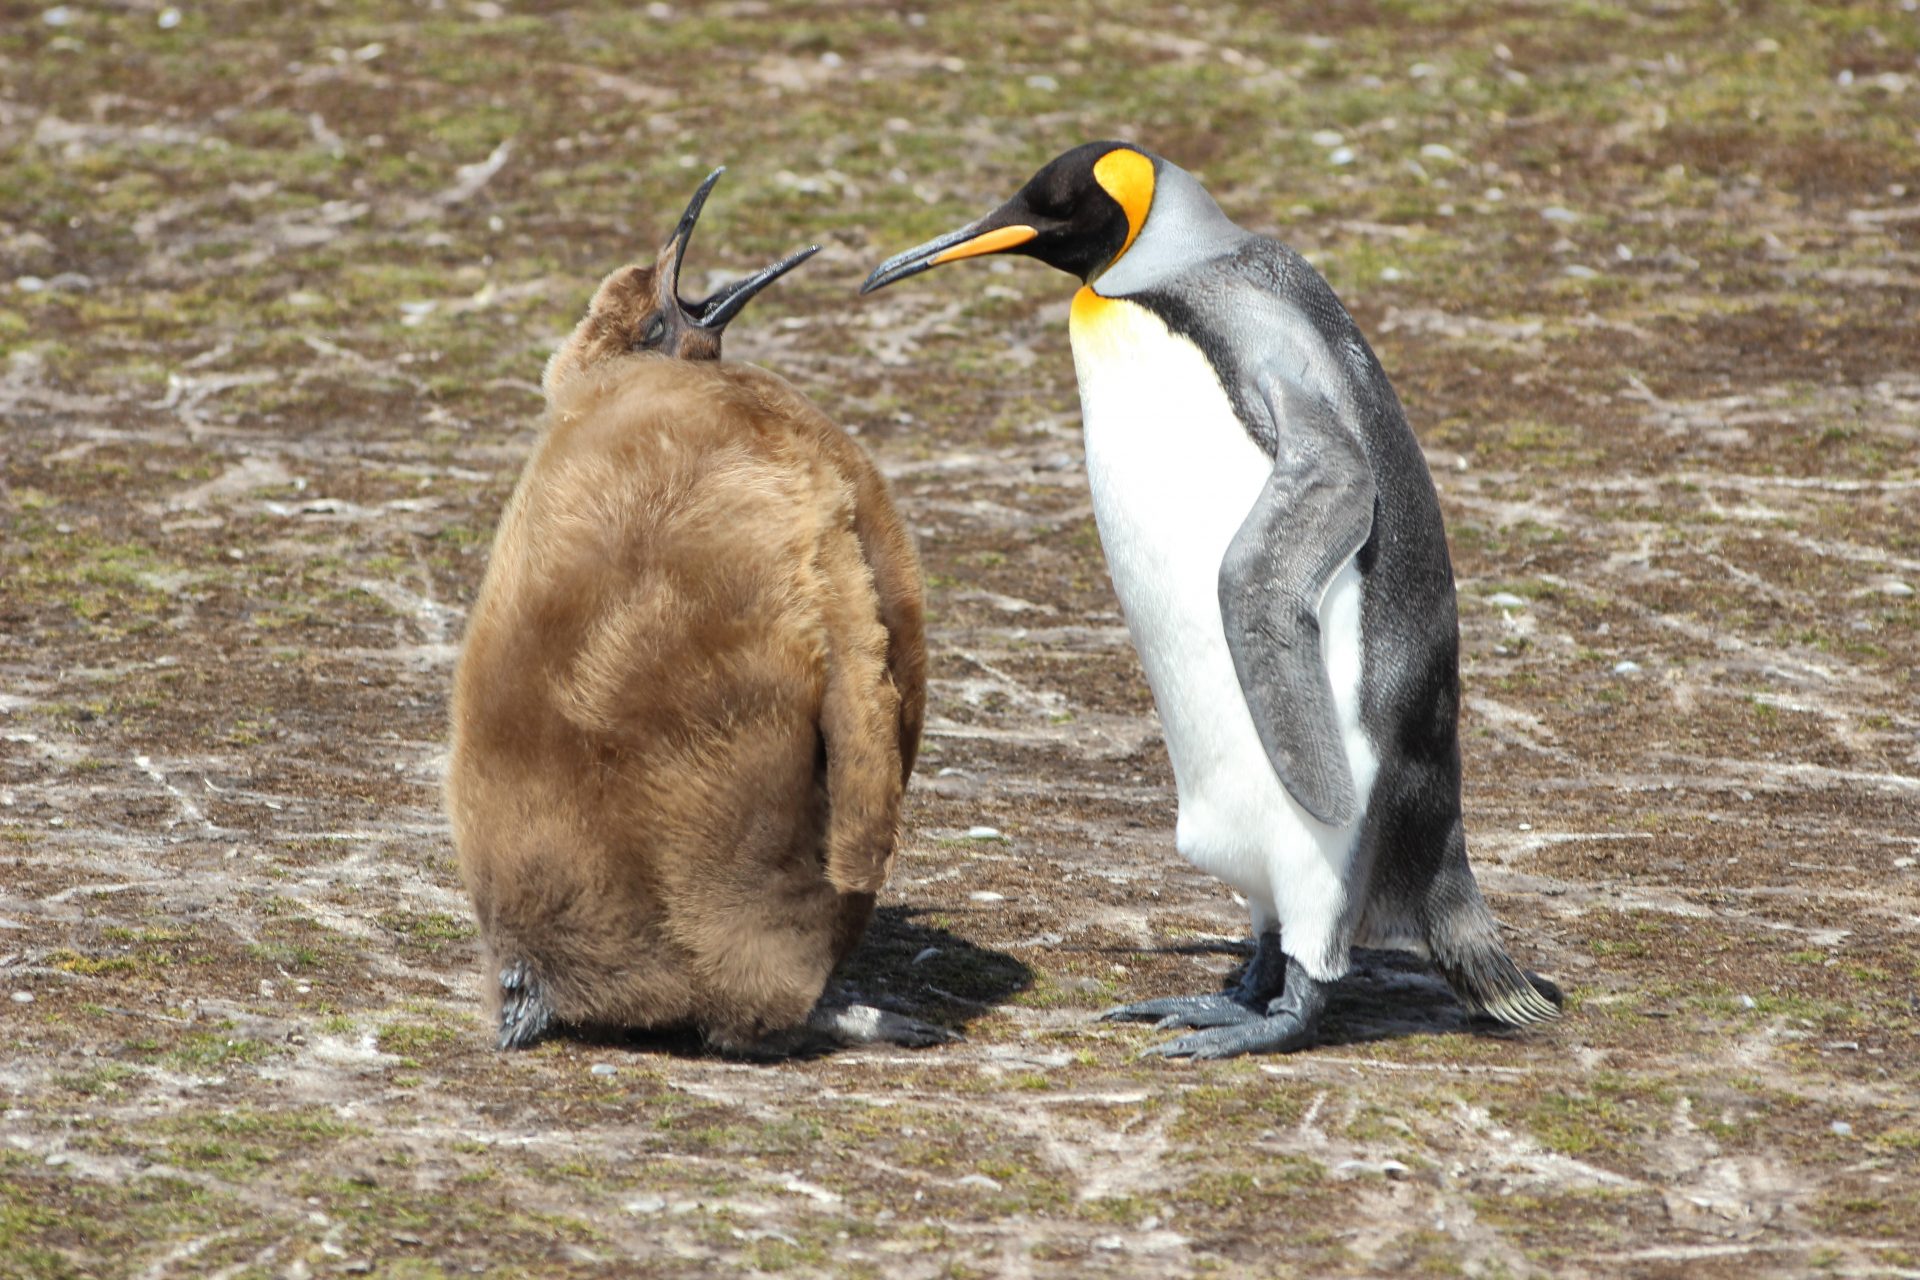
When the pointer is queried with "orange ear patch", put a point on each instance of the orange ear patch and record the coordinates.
(1127, 176)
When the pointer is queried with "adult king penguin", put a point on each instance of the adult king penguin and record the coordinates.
(1276, 543)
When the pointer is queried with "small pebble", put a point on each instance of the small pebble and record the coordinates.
(1046, 84)
(1903, 863)
(1897, 588)
(980, 1180)
(1559, 213)
(1506, 600)
(1327, 138)
(169, 19)
(925, 955)
(1526, 826)
(1842, 1129)
(1625, 667)
(59, 16)
(646, 1204)
(1340, 155)
(1436, 151)
(605, 1069)
(1579, 272)
(984, 833)
(23, 997)
(1748, 1002)
(987, 895)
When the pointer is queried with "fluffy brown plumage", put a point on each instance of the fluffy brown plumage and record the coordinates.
(691, 688)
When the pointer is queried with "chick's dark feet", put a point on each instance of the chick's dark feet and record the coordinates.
(524, 1015)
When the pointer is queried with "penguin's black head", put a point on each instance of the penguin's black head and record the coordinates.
(1079, 213)
(639, 308)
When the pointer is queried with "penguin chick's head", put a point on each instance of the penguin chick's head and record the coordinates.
(639, 308)
(1080, 213)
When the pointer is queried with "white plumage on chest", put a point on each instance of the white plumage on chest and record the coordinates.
(1173, 474)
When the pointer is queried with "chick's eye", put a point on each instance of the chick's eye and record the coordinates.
(656, 330)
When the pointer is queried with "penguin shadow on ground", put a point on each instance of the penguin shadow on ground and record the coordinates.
(1387, 995)
(907, 966)
(901, 965)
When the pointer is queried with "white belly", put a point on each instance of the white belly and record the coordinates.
(1173, 475)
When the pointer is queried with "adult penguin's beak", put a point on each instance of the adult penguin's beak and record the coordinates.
(999, 231)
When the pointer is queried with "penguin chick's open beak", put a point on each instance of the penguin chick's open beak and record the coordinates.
(725, 304)
(714, 311)
(989, 235)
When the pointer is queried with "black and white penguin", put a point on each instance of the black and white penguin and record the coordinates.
(1276, 544)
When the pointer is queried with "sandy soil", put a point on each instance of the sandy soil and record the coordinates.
(280, 289)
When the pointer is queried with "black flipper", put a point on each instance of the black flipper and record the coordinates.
(1315, 512)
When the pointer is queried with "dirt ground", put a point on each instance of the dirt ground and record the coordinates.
(276, 283)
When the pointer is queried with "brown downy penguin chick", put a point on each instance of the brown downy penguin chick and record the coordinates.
(690, 692)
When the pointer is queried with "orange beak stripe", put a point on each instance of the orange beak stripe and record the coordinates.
(986, 242)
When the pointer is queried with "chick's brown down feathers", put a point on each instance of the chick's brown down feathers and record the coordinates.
(689, 698)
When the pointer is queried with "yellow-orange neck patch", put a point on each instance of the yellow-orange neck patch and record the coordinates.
(1127, 176)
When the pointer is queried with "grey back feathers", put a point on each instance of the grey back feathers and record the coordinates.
(1315, 512)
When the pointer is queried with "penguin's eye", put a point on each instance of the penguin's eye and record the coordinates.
(656, 330)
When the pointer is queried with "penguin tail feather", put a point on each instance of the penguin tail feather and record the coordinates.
(1488, 982)
(1465, 944)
